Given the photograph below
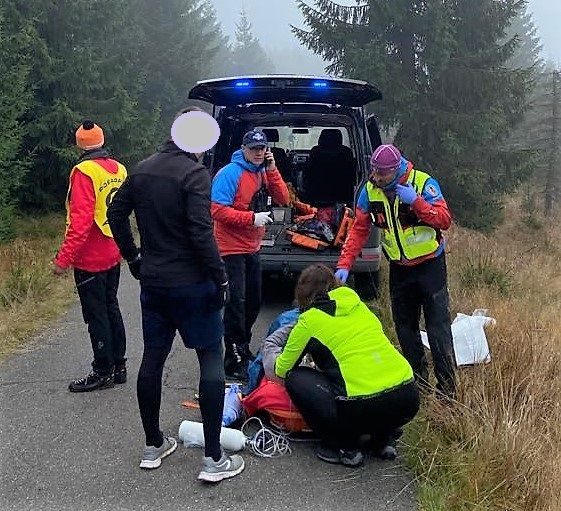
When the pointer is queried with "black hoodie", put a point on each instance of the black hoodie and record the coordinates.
(169, 193)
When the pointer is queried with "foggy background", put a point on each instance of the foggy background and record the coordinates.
(271, 20)
(474, 94)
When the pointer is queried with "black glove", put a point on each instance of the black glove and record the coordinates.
(134, 267)
(223, 294)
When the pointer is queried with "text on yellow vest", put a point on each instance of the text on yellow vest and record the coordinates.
(105, 186)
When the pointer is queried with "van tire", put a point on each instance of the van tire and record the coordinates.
(367, 285)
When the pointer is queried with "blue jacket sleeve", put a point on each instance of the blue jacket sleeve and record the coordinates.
(225, 185)
(363, 203)
(431, 191)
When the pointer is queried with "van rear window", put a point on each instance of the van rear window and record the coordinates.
(294, 139)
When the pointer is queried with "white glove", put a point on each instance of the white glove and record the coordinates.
(262, 219)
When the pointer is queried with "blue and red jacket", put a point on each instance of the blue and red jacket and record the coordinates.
(232, 191)
(429, 207)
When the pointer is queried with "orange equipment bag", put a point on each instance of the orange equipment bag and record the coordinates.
(344, 227)
(306, 241)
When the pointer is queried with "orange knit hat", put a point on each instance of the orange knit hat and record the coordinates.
(89, 136)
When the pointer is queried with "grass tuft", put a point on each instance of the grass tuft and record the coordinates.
(482, 272)
(30, 295)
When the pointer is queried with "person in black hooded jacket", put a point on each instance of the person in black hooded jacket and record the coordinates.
(183, 288)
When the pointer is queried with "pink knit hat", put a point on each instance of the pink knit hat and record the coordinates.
(385, 159)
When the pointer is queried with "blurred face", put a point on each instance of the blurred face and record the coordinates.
(382, 179)
(255, 155)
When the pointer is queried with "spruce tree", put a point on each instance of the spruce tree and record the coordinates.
(79, 71)
(178, 41)
(441, 65)
(127, 64)
(16, 37)
(248, 56)
(548, 141)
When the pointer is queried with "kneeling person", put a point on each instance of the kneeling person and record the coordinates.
(364, 386)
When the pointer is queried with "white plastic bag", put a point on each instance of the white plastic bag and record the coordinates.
(470, 342)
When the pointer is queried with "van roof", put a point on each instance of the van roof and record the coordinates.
(240, 90)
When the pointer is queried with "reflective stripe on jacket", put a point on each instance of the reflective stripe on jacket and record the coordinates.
(403, 234)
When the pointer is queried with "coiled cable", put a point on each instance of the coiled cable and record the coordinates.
(265, 442)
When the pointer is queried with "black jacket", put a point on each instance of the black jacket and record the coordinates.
(169, 193)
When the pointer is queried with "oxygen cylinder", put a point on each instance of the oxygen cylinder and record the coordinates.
(191, 434)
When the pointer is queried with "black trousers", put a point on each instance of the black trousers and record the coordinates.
(340, 422)
(100, 309)
(191, 311)
(425, 287)
(240, 313)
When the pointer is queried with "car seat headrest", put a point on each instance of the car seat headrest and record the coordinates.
(272, 134)
(330, 137)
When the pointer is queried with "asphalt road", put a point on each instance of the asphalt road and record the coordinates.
(61, 451)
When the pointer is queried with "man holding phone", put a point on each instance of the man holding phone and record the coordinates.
(240, 209)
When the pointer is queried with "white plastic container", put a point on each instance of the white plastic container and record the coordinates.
(191, 434)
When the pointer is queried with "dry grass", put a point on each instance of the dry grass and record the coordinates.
(30, 295)
(499, 447)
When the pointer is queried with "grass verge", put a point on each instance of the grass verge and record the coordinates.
(30, 296)
(499, 447)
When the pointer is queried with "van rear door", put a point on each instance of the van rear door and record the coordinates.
(285, 89)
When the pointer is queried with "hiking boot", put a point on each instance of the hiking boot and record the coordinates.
(152, 456)
(235, 368)
(340, 456)
(94, 381)
(120, 374)
(225, 467)
(352, 459)
(328, 454)
(386, 452)
(246, 353)
(236, 373)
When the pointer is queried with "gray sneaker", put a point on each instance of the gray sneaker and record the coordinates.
(152, 456)
(225, 467)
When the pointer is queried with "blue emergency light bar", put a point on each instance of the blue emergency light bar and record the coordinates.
(242, 84)
(320, 85)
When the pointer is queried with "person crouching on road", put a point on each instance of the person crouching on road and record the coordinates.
(408, 206)
(89, 248)
(240, 211)
(364, 386)
(183, 288)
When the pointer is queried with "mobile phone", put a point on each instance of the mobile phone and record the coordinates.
(267, 161)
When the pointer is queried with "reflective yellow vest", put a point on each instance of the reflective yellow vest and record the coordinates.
(416, 240)
(105, 186)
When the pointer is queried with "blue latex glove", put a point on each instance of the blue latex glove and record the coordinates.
(342, 274)
(232, 405)
(406, 193)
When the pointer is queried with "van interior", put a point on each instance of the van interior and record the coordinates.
(316, 153)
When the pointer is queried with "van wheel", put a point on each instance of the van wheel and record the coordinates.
(367, 285)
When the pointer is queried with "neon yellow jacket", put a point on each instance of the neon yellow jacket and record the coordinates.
(347, 342)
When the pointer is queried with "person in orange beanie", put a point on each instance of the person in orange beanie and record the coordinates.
(89, 248)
